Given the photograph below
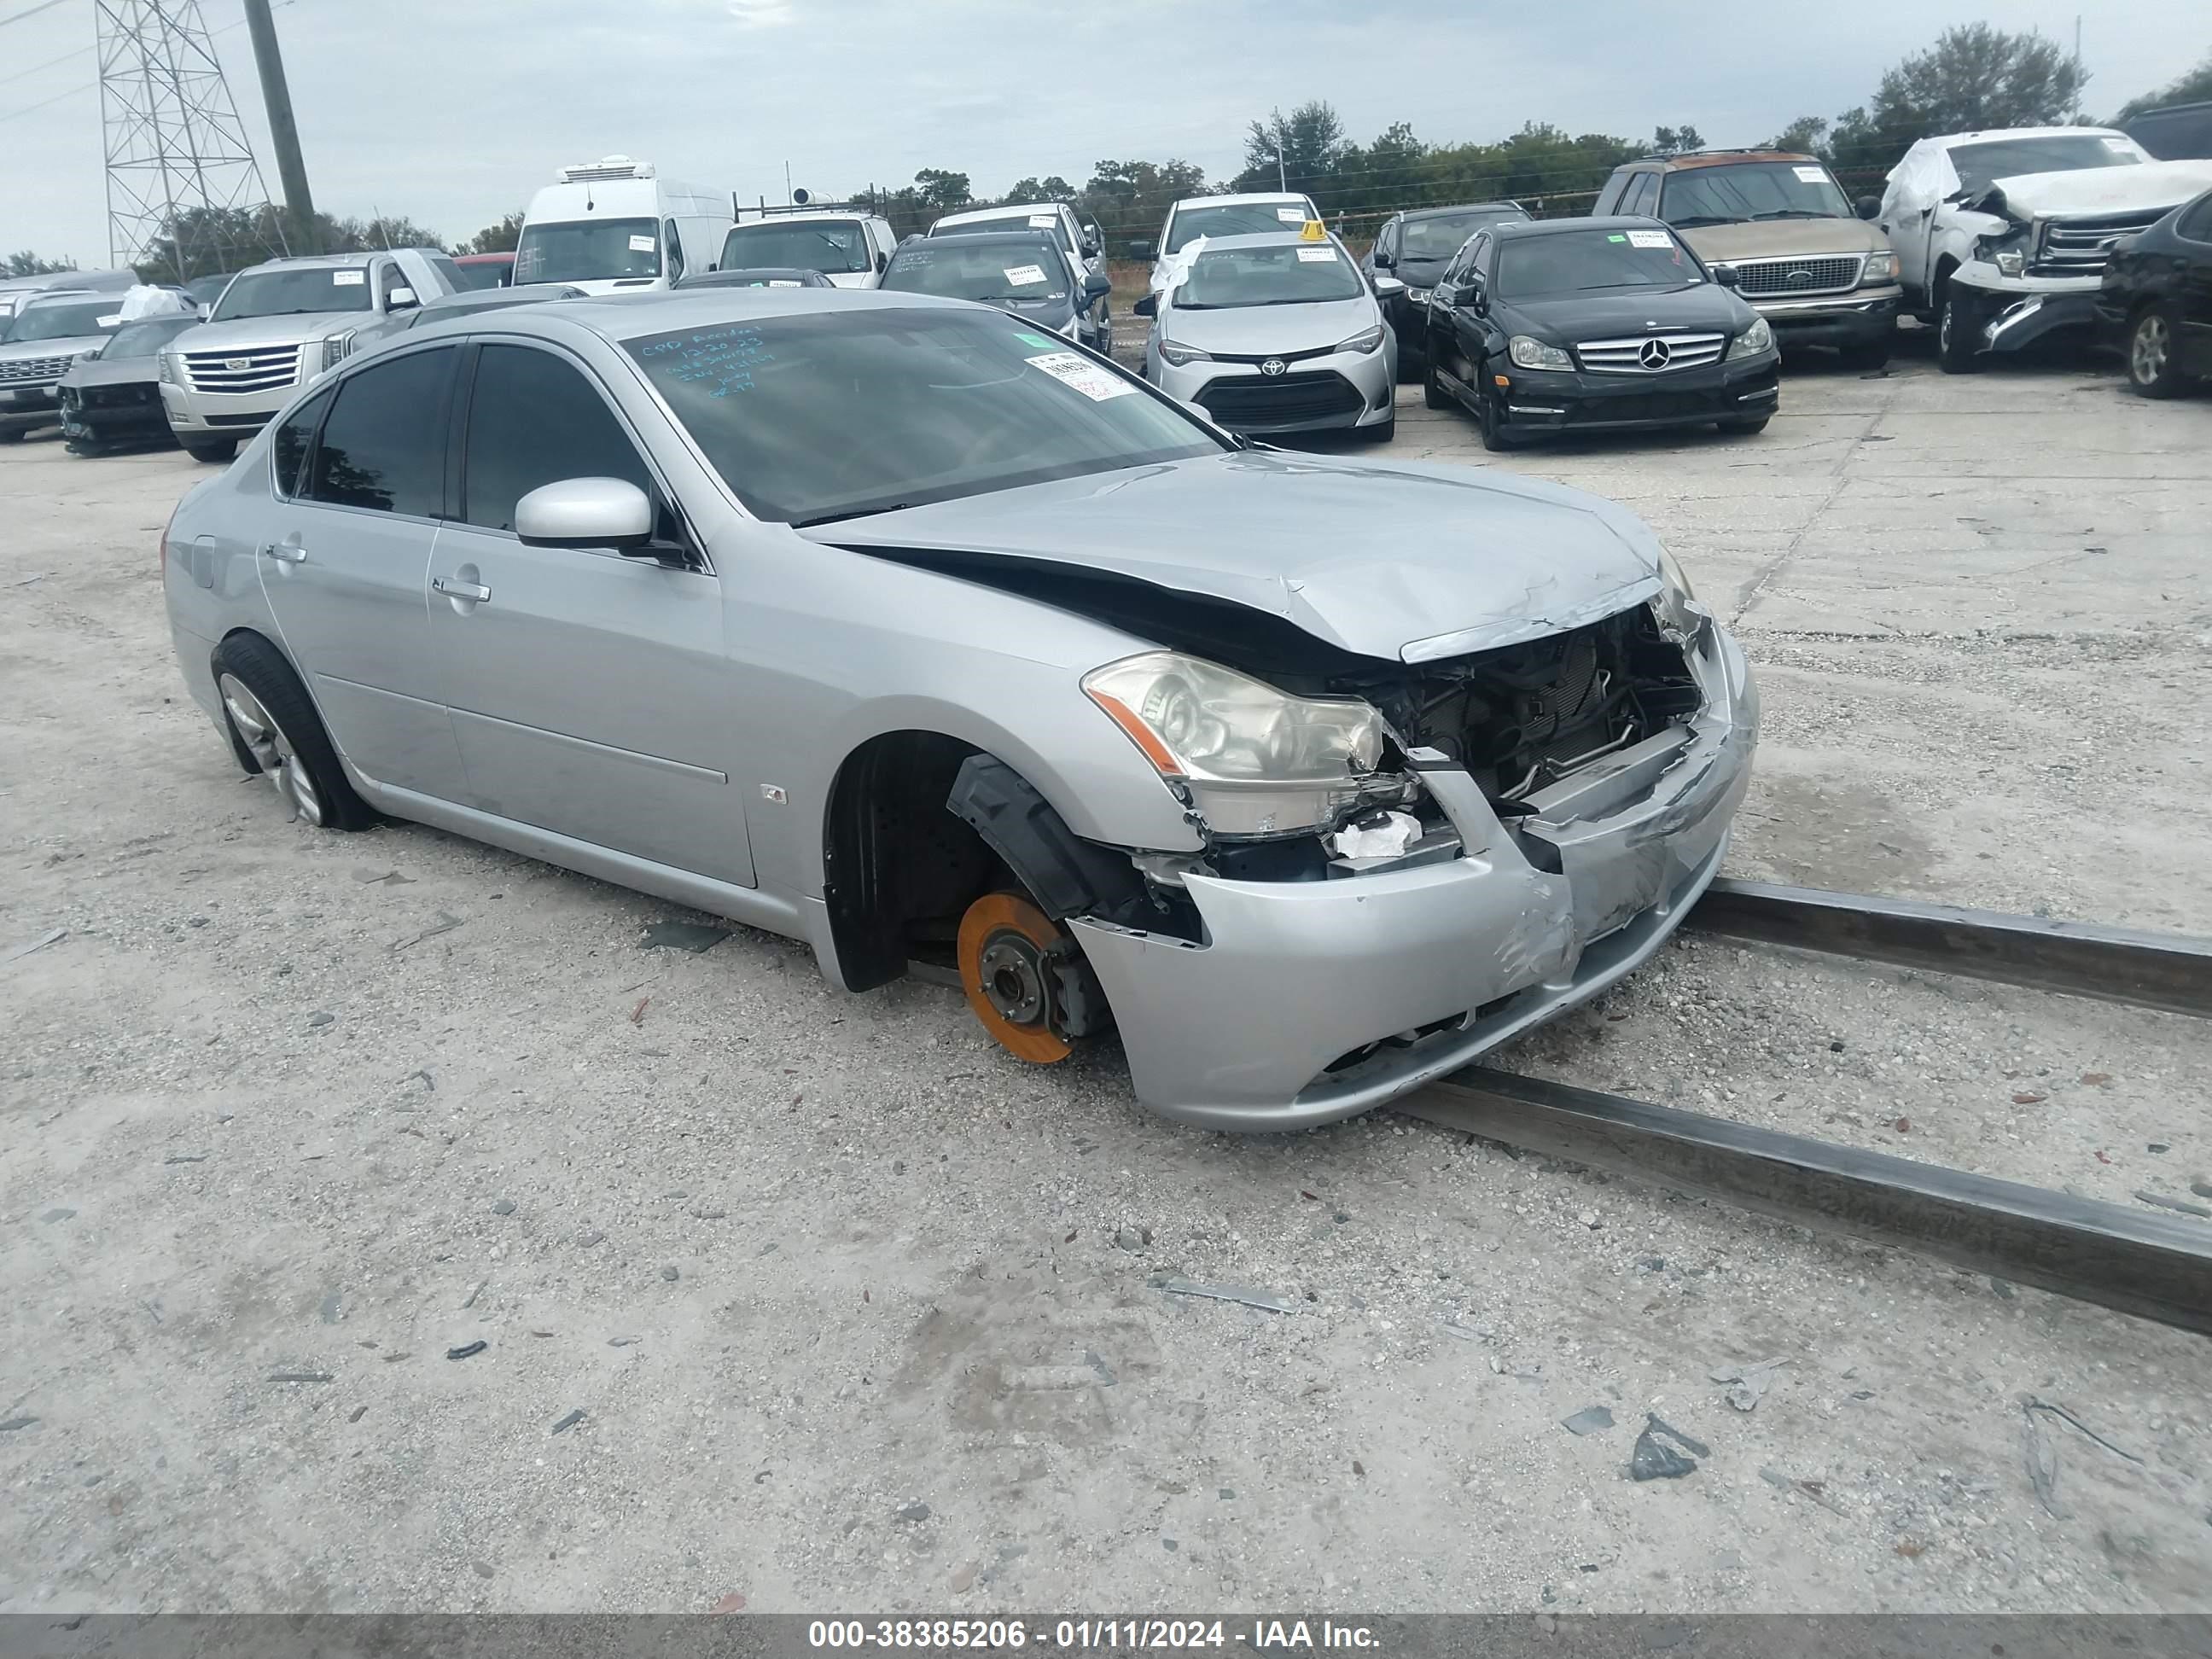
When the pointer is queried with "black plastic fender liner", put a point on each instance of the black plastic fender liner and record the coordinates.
(1066, 875)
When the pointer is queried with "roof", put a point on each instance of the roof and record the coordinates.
(973, 215)
(1410, 214)
(1239, 201)
(1946, 140)
(1521, 229)
(640, 315)
(1032, 234)
(776, 216)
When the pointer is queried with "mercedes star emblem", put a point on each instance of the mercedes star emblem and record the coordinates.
(1272, 366)
(1654, 354)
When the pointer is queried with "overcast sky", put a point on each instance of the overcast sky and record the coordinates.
(454, 112)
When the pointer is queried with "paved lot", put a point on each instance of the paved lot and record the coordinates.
(838, 1287)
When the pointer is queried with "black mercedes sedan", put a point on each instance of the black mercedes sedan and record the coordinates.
(1415, 247)
(1552, 325)
(2156, 301)
(113, 396)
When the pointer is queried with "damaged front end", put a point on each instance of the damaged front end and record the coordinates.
(1406, 863)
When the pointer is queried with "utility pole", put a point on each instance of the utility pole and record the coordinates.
(283, 132)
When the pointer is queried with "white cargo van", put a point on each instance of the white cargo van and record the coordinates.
(613, 225)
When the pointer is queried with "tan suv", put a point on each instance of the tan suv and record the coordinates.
(1800, 250)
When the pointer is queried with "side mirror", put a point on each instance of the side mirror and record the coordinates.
(400, 299)
(1144, 250)
(1091, 247)
(1476, 299)
(1385, 261)
(585, 512)
(1147, 306)
(1867, 207)
(1388, 287)
(1097, 285)
(1197, 410)
(1726, 276)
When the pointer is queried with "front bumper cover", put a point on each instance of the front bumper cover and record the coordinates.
(1432, 965)
(1372, 374)
(1841, 319)
(1552, 400)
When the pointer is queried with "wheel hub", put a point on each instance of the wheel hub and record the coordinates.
(1013, 964)
(1013, 978)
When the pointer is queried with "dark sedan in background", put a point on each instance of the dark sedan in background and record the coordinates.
(1415, 247)
(1552, 326)
(114, 396)
(2157, 300)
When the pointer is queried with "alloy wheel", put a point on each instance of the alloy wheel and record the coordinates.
(272, 751)
(2147, 352)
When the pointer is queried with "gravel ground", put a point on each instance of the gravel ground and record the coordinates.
(860, 1313)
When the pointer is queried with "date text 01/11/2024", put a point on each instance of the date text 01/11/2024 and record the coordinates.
(1092, 1635)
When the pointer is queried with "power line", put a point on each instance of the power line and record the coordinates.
(82, 52)
(29, 11)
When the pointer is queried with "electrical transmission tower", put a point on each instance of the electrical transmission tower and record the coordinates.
(174, 139)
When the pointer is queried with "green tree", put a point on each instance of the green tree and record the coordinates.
(1674, 140)
(941, 192)
(2192, 87)
(1050, 188)
(1973, 76)
(385, 230)
(1300, 149)
(495, 239)
(1807, 136)
(28, 264)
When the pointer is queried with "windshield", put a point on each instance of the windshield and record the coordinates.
(823, 245)
(206, 290)
(1304, 273)
(1751, 190)
(998, 271)
(293, 293)
(1239, 219)
(586, 250)
(1980, 165)
(66, 320)
(144, 339)
(475, 278)
(842, 413)
(1439, 237)
(1581, 261)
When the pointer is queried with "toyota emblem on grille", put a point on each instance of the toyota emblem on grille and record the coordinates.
(1272, 366)
(238, 362)
(1654, 354)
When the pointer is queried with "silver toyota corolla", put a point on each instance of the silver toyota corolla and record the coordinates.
(1273, 334)
(894, 625)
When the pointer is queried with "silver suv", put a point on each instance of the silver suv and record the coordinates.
(39, 345)
(278, 325)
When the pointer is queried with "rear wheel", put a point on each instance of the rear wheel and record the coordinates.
(2153, 360)
(275, 732)
(219, 449)
(1016, 965)
(1957, 325)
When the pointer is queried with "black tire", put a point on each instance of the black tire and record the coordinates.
(1433, 395)
(222, 450)
(13, 435)
(288, 745)
(1866, 356)
(1755, 423)
(1956, 325)
(1495, 438)
(2153, 353)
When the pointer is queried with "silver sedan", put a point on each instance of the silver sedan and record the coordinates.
(890, 624)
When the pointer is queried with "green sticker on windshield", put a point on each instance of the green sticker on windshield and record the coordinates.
(1616, 239)
(1034, 339)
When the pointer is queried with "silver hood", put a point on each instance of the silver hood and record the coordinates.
(246, 333)
(1262, 331)
(2103, 190)
(17, 351)
(1410, 560)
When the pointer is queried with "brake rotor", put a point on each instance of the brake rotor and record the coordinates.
(1009, 953)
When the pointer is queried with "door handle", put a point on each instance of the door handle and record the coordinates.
(284, 552)
(453, 588)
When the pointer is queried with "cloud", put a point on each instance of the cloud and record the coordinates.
(760, 14)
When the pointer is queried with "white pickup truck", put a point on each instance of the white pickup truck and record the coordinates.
(2002, 236)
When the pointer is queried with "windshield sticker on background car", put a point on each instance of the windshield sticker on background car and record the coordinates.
(1044, 222)
(108, 321)
(1650, 239)
(785, 282)
(1034, 340)
(640, 245)
(1024, 276)
(1292, 216)
(348, 278)
(1616, 239)
(1811, 175)
(1092, 381)
(1316, 256)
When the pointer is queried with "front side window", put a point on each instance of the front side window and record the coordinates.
(1979, 166)
(835, 414)
(832, 246)
(1302, 273)
(534, 419)
(297, 292)
(295, 434)
(67, 320)
(587, 250)
(384, 445)
(1586, 261)
(1749, 191)
(1236, 219)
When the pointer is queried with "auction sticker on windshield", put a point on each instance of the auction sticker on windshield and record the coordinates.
(1043, 222)
(348, 278)
(1810, 175)
(1650, 239)
(1316, 256)
(1292, 216)
(640, 245)
(1025, 275)
(1092, 381)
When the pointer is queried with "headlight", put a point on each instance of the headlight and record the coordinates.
(1366, 341)
(1880, 267)
(1535, 353)
(336, 348)
(1754, 340)
(1171, 352)
(1256, 761)
(1675, 604)
(165, 366)
(2007, 251)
